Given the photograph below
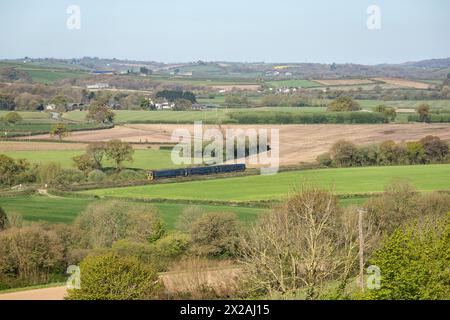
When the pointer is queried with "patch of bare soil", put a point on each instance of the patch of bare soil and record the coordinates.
(298, 143)
(56, 293)
(404, 83)
(38, 146)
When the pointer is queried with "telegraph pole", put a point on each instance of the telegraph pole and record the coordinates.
(361, 248)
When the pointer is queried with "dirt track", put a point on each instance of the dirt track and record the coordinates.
(298, 143)
(56, 293)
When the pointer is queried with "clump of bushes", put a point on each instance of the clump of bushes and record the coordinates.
(114, 277)
(414, 262)
(343, 104)
(278, 117)
(343, 153)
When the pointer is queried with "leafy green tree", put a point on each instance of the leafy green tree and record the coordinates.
(30, 254)
(389, 153)
(344, 153)
(424, 112)
(215, 235)
(97, 151)
(119, 151)
(12, 118)
(172, 95)
(144, 103)
(182, 105)
(60, 130)
(414, 262)
(114, 277)
(325, 160)
(100, 112)
(344, 104)
(84, 162)
(390, 114)
(7, 102)
(11, 169)
(105, 222)
(416, 152)
(380, 108)
(435, 148)
(48, 173)
(60, 101)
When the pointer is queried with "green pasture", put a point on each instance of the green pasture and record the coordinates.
(342, 181)
(293, 84)
(143, 159)
(65, 210)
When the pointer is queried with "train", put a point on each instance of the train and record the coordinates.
(195, 171)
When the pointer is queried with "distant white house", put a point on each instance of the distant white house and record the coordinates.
(98, 86)
(55, 115)
(164, 106)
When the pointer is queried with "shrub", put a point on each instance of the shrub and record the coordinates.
(96, 176)
(11, 170)
(48, 173)
(416, 152)
(114, 277)
(435, 148)
(102, 223)
(325, 160)
(394, 207)
(414, 262)
(3, 219)
(215, 235)
(344, 153)
(130, 175)
(173, 245)
(188, 216)
(29, 255)
(69, 176)
(277, 117)
(390, 153)
(344, 104)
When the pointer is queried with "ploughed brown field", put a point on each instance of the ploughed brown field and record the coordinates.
(242, 87)
(404, 83)
(298, 143)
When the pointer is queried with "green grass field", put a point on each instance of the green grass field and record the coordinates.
(51, 76)
(65, 210)
(40, 208)
(342, 181)
(45, 73)
(435, 105)
(294, 84)
(143, 159)
(30, 115)
(38, 126)
(207, 116)
(127, 116)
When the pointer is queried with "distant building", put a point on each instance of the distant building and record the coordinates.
(55, 115)
(98, 86)
(102, 72)
(198, 106)
(164, 106)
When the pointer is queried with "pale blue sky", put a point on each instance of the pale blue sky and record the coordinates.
(232, 30)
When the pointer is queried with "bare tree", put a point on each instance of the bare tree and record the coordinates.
(301, 245)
